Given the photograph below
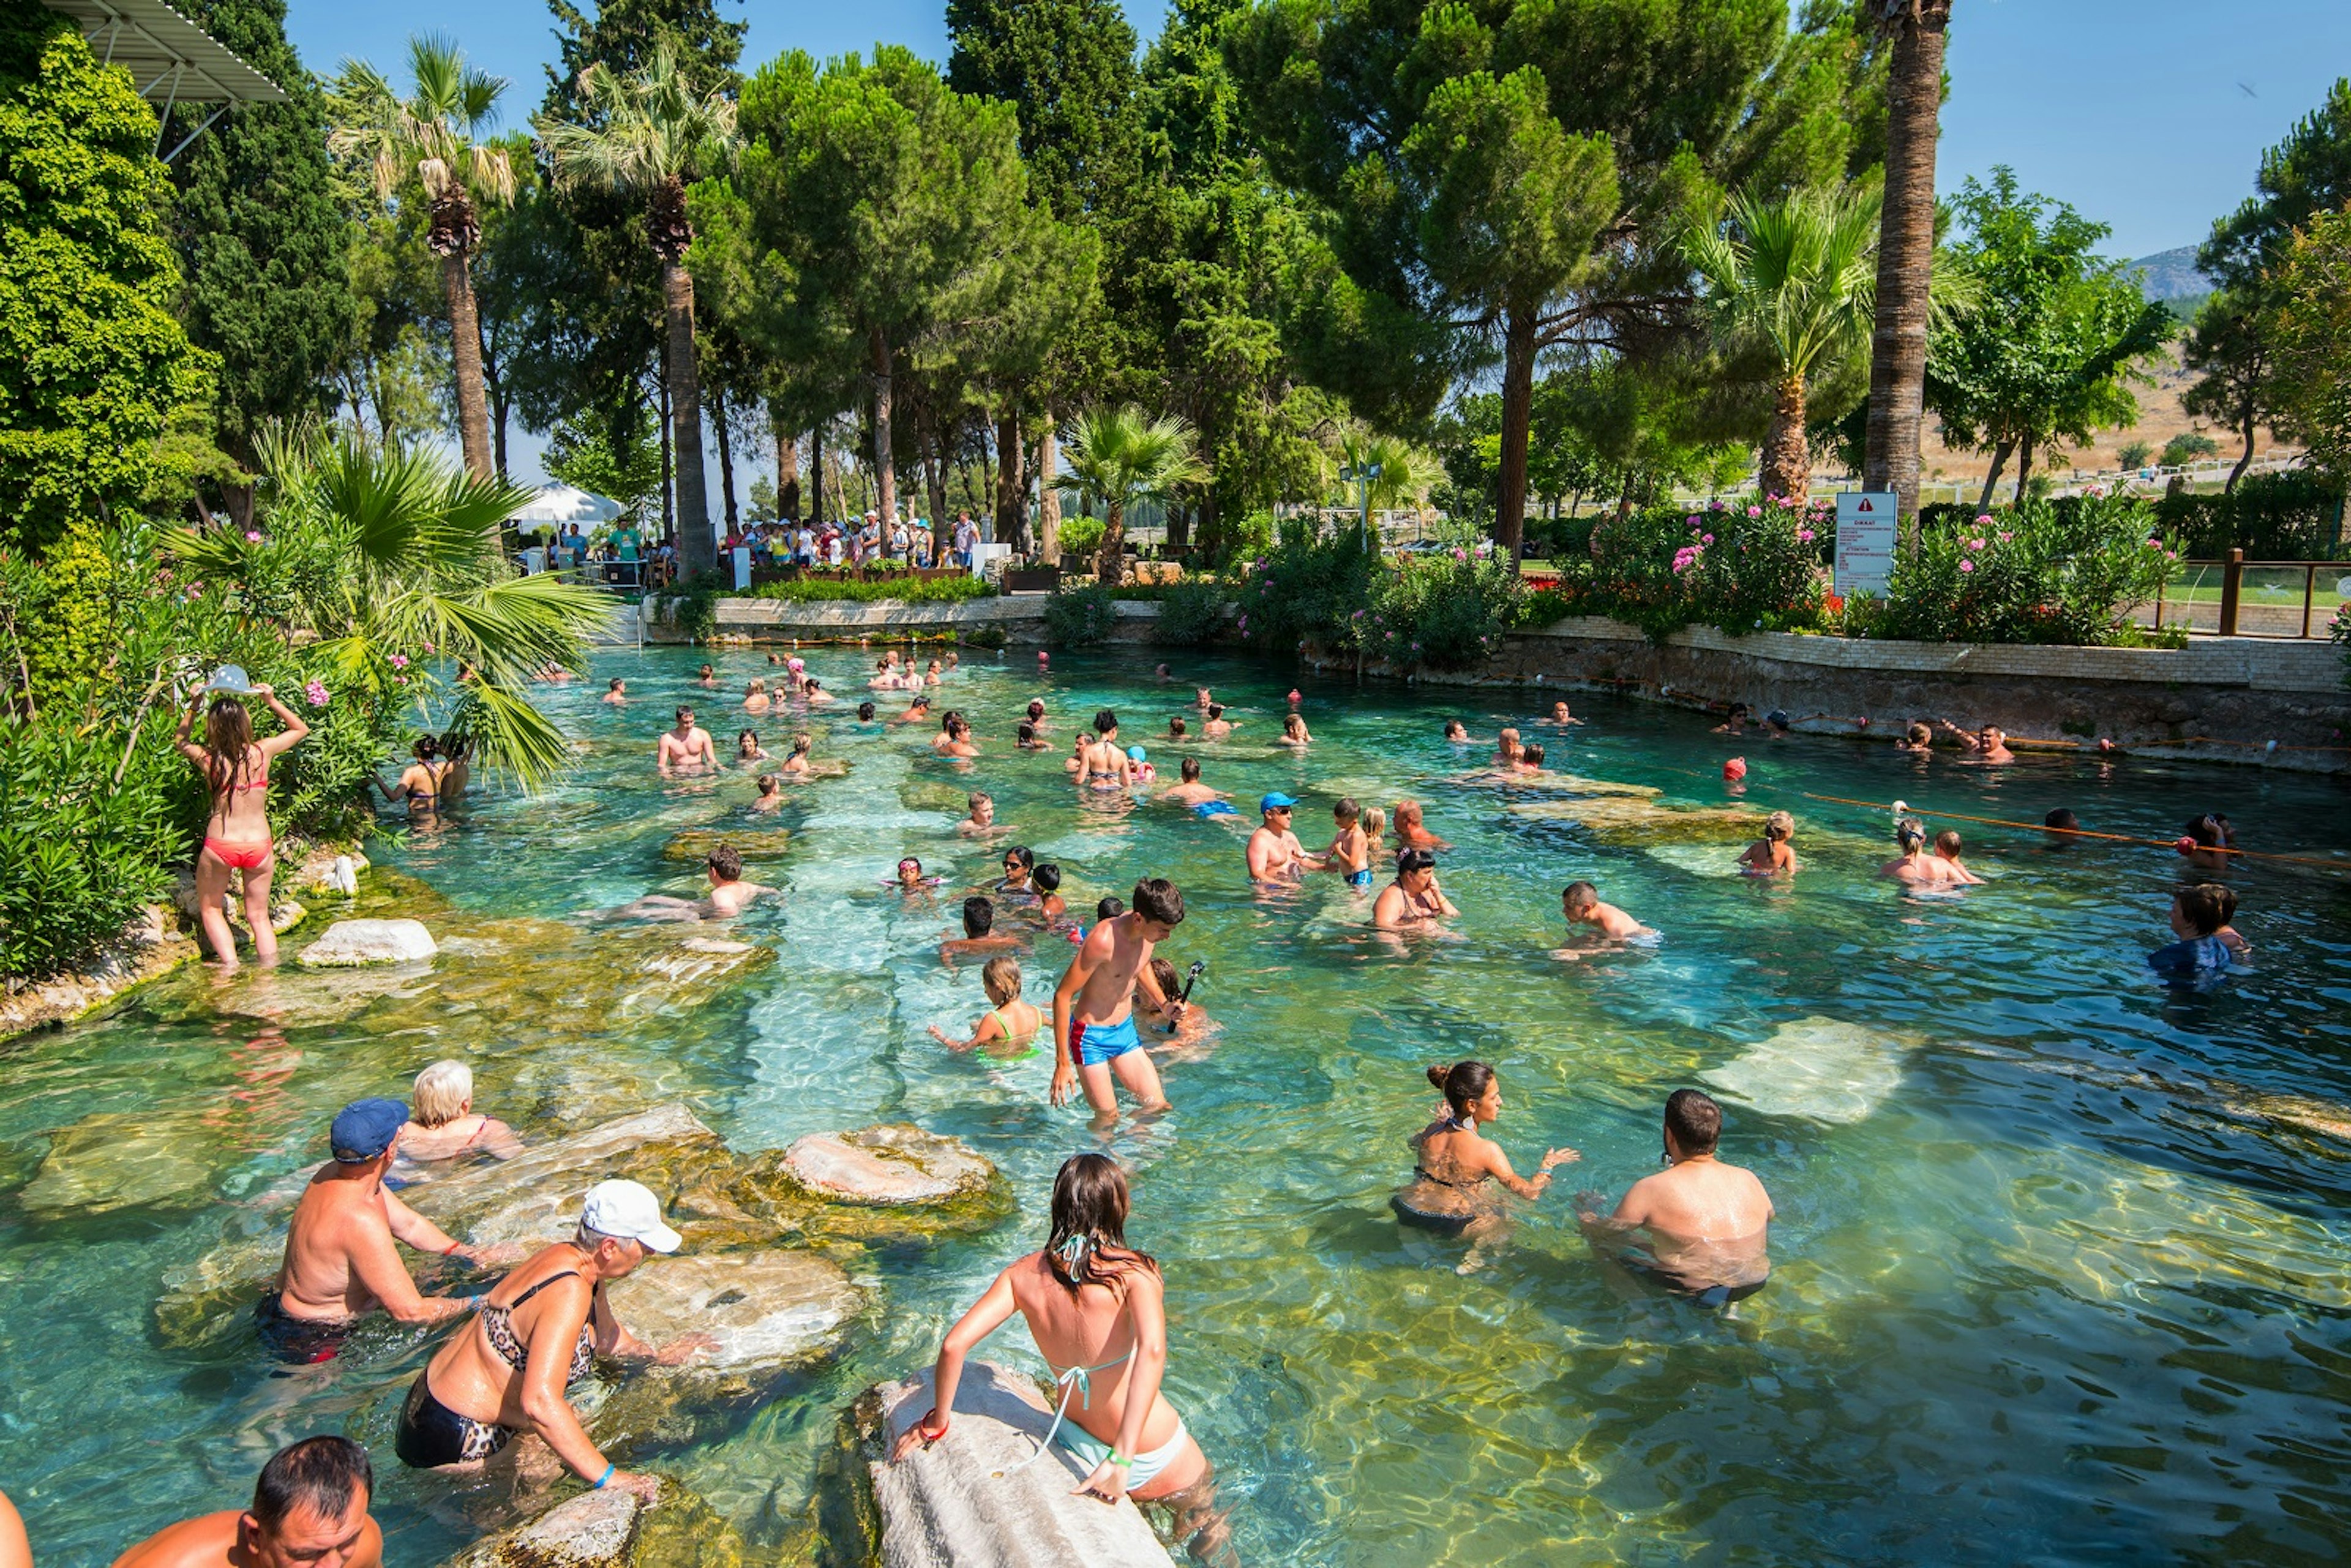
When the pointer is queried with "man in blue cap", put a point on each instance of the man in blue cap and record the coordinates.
(1275, 855)
(340, 1263)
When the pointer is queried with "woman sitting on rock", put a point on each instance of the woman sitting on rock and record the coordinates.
(538, 1332)
(444, 1124)
(1096, 1308)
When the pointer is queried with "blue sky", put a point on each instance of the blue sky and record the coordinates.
(2147, 115)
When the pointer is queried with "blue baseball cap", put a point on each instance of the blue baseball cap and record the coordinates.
(1276, 801)
(364, 1129)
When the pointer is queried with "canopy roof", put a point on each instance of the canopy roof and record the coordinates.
(170, 59)
(567, 504)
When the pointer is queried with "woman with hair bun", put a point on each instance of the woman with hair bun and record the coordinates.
(1449, 1190)
(422, 786)
(1097, 1310)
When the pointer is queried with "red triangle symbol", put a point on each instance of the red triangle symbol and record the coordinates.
(1864, 507)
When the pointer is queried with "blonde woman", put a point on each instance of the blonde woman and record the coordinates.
(443, 1123)
(236, 830)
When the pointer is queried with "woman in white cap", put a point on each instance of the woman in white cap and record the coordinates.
(539, 1332)
(236, 832)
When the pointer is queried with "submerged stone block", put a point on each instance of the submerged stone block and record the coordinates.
(349, 944)
(889, 1165)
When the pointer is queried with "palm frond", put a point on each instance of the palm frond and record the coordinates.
(509, 734)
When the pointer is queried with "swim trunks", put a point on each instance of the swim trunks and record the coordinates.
(299, 1341)
(1207, 808)
(1092, 1044)
(1360, 878)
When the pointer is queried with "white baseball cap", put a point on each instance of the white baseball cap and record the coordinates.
(629, 1211)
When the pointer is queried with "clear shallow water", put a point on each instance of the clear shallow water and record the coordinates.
(2059, 1260)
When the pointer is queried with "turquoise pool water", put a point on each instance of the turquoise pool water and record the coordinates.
(2059, 1269)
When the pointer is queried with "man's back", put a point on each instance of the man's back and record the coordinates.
(1700, 1200)
(317, 1278)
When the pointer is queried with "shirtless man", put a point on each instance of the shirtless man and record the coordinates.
(979, 933)
(1191, 792)
(687, 746)
(1559, 717)
(616, 694)
(1036, 716)
(340, 1263)
(771, 798)
(309, 1511)
(729, 892)
(1217, 728)
(1411, 834)
(1413, 899)
(1274, 852)
(1707, 1223)
(916, 712)
(1507, 750)
(1580, 902)
(1093, 1007)
(1350, 853)
(981, 823)
(1986, 745)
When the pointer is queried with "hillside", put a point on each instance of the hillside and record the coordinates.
(2172, 275)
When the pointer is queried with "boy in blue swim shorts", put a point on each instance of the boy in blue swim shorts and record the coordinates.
(1093, 1007)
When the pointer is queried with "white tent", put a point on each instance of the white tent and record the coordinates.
(560, 504)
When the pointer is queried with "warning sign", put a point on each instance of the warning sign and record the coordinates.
(1865, 541)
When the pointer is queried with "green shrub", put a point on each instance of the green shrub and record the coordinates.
(898, 587)
(985, 635)
(1195, 612)
(1442, 611)
(1079, 617)
(2027, 574)
(2188, 446)
(1306, 588)
(1740, 567)
(2134, 454)
(692, 605)
(1081, 536)
(2293, 516)
(79, 851)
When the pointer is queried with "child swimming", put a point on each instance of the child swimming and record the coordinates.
(1010, 1023)
(1350, 853)
(1774, 853)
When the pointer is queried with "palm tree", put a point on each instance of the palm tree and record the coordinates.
(419, 602)
(1800, 276)
(1120, 456)
(1905, 249)
(1388, 471)
(648, 135)
(436, 133)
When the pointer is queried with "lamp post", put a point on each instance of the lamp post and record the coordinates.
(1362, 475)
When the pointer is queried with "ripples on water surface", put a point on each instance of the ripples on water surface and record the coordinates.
(2059, 1267)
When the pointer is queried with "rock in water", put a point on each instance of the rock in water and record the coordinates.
(123, 1159)
(351, 943)
(535, 1196)
(967, 1501)
(694, 844)
(1820, 1069)
(889, 1165)
(1632, 821)
(612, 1529)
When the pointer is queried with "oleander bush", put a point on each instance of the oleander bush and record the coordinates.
(1079, 617)
(899, 586)
(1194, 613)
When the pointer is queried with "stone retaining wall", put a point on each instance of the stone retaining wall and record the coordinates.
(2238, 694)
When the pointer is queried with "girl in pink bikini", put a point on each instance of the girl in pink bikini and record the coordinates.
(236, 832)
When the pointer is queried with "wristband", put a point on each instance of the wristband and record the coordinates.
(930, 1436)
(600, 1482)
(453, 1249)
(1121, 1460)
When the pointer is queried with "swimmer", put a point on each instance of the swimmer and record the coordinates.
(1773, 855)
(1105, 767)
(1145, 774)
(981, 822)
(1707, 1224)
(771, 797)
(1205, 701)
(2062, 823)
(1376, 825)
(1161, 675)
(309, 1511)
(2207, 841)
(865, 712)
(340, 1263)
(2200, 951)
(797, 764)
(812, 692)
(1020, 861)
(687, 746)
(918, 710)
(1096, 1308)
(1453, 1161)
(15, 1551)
(1530, 759)
(1293, 732)
(460, 772)
(1776, 724)
(616, 694)
(1985, 745)
(1946, 849)
(1191, 791)
(709, 677)
(1274, 853)
(1457, 733)
(1175, 730)
(1047, 880)
(556, 675)
(1219, 727)
(1009, 1022)
(1559, 717)
(756, 699)
(443, 1123)
(1411, 834)
(2225, 900)
(729, 892)
(955, 661)
(1505, 750)
(1036, 716)
(1914, 866)
(422, 783)
(747, 748)
(979, 933)
(1025, 737)
(956, 740)
(1171, 986)
(237, 839)
(910, 878)
(1736, 723)
(1413, 900)
(541, 1329)
(1093, 1007)
(932, 674)
(1350, 853)
(1580, 902)
(1917, 739)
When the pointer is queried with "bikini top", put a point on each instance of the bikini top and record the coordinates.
(497, 1325)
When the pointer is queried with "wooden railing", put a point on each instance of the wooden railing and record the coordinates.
(2290, 599)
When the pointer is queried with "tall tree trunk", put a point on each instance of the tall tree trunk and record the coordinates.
(885, 471)
(815, 467)
(1012, 479)
(668, 454)
(2023, 463)
(1179, 527)
(1787, 468)
(725, 457)
(1905, 254)
(465, 347)
(1048, 497)
(787, 474)
(1998, 461)
(935, 476)
(1518, 408)
(1110, 561)
(500, 403)
(698, 550)
(1212, 535)
(2245, 460)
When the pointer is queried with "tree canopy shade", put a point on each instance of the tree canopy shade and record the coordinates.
(2054, 346)
(93, 362)
(1520, 173)
(1066, 66)
(261, 237)
(1799, 275)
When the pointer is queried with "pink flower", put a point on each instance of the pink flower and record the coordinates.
(1459, 554)
(1805, 536)
(315, 693)
(2005, 536)
(1966, 565)
(195, 590)
(1984, 520)
(1754, 511)
(1707, 537)
(399, 661)
(253, 536)
(1975, 544)
(1691, 520)
(429, 648)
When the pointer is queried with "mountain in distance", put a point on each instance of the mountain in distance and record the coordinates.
(2172, 275)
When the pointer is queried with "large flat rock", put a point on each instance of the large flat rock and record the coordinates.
(971, 1501)
(753, 844)
(352, 943)
(611, 1529)
(1635, 821)
(125, 1159)
(889, 1165)
(1820, 1069)
(535, 1196)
